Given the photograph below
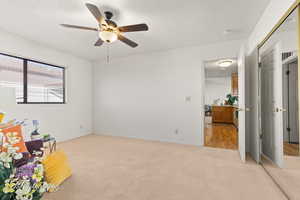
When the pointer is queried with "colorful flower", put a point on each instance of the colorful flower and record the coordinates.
(26, 182)
(24, 192)
(25, 170)
(9, 187)
(6, 159)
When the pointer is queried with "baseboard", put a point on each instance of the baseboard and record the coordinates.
(150, 139)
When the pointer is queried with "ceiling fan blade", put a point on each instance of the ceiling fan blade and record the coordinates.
(99, 42)
(96, 13)
(79, 27)
(134, 28)
(127, 41)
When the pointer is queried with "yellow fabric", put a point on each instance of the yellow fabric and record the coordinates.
(57, 168)
(1, 117)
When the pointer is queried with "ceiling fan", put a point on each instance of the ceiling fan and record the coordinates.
(108, 30)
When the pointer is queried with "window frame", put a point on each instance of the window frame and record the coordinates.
(25, 79)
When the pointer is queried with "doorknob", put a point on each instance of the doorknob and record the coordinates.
(280, 110)
(242, 109)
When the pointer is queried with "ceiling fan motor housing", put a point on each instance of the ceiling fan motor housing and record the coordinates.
(108, 15)
(111, 23)
(108, 20)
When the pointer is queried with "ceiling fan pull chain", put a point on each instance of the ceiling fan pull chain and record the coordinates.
(107, 56)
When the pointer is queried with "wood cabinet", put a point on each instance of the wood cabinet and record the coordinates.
(223, 114)
(234, 84)
(235, 118)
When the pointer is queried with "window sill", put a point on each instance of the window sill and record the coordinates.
(41, 103)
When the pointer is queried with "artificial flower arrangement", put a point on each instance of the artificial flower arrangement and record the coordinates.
(24, 183)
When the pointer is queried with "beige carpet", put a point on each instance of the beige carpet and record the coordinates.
(288, 177)
(113, 168)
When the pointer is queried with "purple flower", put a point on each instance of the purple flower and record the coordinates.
(25, 171)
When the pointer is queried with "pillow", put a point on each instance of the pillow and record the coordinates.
(15, 131)
(57, 168)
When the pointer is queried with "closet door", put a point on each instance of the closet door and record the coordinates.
(271, 105)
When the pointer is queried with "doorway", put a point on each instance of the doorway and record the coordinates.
(221, 104)
(290, 103)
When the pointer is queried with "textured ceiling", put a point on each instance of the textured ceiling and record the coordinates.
(172, 23)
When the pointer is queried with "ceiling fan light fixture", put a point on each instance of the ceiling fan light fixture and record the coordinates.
(108, 36)
(225, 63)
(108, 31)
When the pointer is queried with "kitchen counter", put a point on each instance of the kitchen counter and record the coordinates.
(234, 106)
(224, 114)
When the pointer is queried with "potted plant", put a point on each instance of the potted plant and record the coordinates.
(231, 99)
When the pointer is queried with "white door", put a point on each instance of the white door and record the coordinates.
(252, 99)
(242, 104)
(271, 105)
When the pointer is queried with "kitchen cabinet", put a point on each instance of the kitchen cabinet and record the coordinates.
(224, 114)
(234, 84)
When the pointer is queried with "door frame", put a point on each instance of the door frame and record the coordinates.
(203, 104)
(242, 107)
(203, 98)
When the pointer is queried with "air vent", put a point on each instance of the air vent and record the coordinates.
(287, 55)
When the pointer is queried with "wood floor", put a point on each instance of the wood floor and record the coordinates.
(291, 149)
(219, 135)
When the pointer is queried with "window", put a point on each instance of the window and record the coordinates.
(11, 75)
(45, 83)
(35, 82)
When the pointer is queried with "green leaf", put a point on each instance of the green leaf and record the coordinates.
(7, 197)
(4, 174)
(37, 197)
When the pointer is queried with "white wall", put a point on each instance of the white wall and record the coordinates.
(287, 39)
(272, 14)
(62, 121)
(216, 88)
(143, 96)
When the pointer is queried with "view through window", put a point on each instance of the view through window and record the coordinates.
(34, 82)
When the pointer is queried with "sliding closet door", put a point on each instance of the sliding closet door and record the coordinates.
(271, 104)
(242, 104)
